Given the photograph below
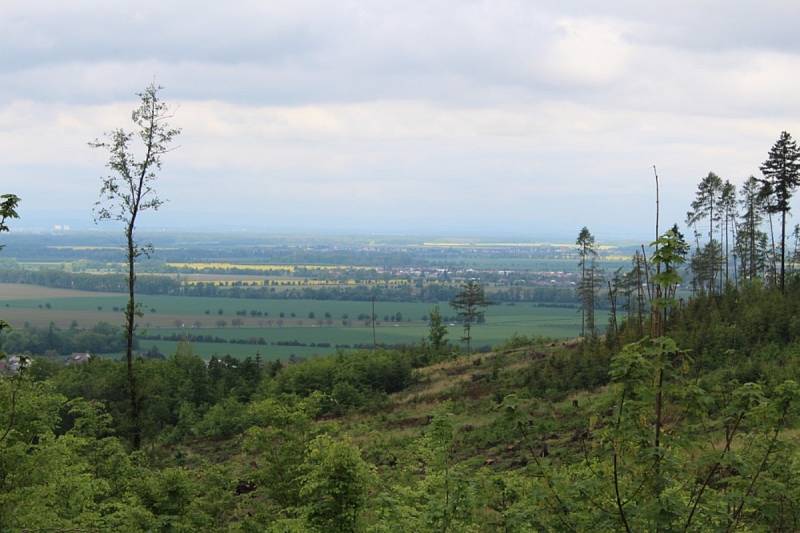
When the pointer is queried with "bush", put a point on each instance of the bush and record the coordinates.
(226, 418)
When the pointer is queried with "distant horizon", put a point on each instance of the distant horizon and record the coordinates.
(439, 238)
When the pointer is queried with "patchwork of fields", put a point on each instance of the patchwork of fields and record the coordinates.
(295, 324)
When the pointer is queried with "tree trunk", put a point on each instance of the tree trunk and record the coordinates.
(583, 292)
(612, 298)
(721, 251)
(590, 302)
(772, 258)
(753, 272)
(639, 295)
(727, 255)
(374, 338)
(657, 436)
(783, 251)
(734, 236)
(130, 317)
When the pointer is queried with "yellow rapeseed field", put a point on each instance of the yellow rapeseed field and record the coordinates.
(230, 266)
(261, 267)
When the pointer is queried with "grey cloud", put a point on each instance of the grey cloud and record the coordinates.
(438, 106)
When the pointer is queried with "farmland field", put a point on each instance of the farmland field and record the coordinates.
(300, 322)
(11, 291)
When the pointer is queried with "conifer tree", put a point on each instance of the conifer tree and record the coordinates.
(588, 281)
(706, 202)
(781, 173)
(470, 303)
(751, 241)
(706, 205)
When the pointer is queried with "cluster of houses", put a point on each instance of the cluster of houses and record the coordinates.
(12, 364)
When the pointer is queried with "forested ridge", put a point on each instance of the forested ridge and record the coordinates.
(520, 439)
(679, 414)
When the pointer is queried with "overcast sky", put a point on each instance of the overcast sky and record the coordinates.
(436, 117)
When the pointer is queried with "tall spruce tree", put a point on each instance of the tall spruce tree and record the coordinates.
(470, 303)
(781, 173)
(707, 261)
(751, 241)
(587, 286)
(706, 202)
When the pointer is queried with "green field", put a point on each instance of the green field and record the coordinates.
(167, 315)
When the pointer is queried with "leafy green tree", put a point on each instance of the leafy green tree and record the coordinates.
(781, 173)
(470, 303)
(277, 440)
(8, 211)
(437, 331)
(446, 494)
(671, 249)
(335, 484)
(675, 489)
(125, 194)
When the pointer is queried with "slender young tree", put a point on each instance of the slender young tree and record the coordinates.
(126, 193)
(471, 304)
(372, 319)
(781, 173)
